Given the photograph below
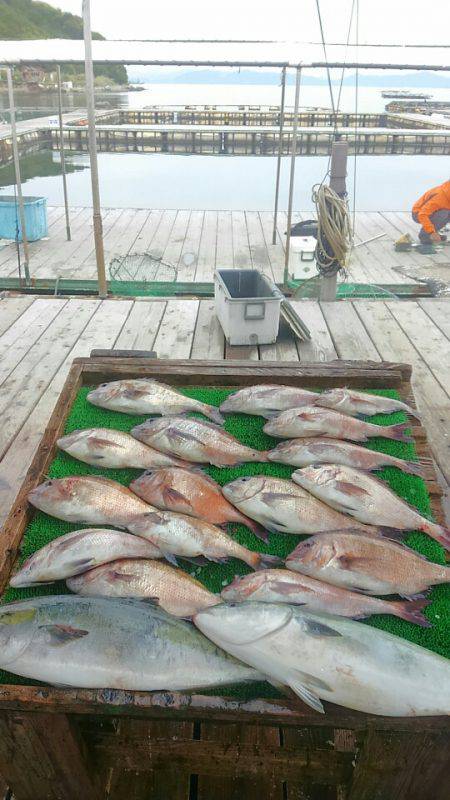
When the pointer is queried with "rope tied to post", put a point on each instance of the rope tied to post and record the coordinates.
(334, 231)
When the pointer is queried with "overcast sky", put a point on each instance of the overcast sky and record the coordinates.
(381, 21)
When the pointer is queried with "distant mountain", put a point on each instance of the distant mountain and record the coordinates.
(394, 80)
(25, 19)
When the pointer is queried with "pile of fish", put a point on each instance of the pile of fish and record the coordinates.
(293, 625)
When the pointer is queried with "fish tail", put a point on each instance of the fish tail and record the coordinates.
(414, 413)
(411, 610)
(412, 468)
(397, 432)
(266, 561)
(258, 530)
(213, 413)
(438, 532)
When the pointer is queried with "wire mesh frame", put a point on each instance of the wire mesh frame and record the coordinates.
(139, 268)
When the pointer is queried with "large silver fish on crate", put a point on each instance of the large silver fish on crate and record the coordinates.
(89, 499)
(320, 450)
(103, 447)
(267, 400)
(324, 657)
(316, 421)
(285, 586)
(172, 589)
(99, 643)
(195, 440)
(366, 564)
(366, 498)
(147, 396)
(352, 402)
(78, 551)
(282, 506)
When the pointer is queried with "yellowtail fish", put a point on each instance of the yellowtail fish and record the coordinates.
(78, 551)
(103, 447)
(147, 396)
(315, 421)
(89, 499)
(366, 564)
(267, 400)
(102, 643)
(285, 586)
(365, 498)
(197, 441)
(325, 657)
(352, 402)
(320, 450)
(282, 506)
(172, 589)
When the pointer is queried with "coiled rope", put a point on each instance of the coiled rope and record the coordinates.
(334, 232)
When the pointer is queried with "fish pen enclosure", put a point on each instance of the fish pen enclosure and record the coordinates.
(65, 744)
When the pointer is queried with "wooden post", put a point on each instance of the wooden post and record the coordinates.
(280, 153)
(292, 173)
(12, 113)
(62, 157)
(338, 174)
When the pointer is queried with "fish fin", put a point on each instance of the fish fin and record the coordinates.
(270, 413)
(269, 497)
(171, 496)
(153, 516)
(307, 416)
(132, 394)
(199, 561)
(282, 687)
(353, 562)
(213, 413)
(82, 564)
(412, 611)
(170, 558)
(153, 601)
(307, 696)
(350, 488)
(285, 588)
(314, 628)
(268, 561)
(62, 634)
(412, 597)
(412, 468)
(397, 432)
(257, 529)
(394, 534)
(97, 441)
(437, 532)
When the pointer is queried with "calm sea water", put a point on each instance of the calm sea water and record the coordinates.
(156, 180)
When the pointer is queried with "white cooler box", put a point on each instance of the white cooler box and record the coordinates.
(302, 257)
(247, 306)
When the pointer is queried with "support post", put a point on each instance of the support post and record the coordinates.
(96, 209)
(280, 153)
(62, 157)
(298, 76)
(12, 114)
(338, 174)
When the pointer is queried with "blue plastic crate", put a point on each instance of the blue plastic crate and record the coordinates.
(35, 217)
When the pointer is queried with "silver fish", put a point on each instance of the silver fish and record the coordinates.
(285, 586)
(366, 564)
(89, 499)
(182, 535)
(174, 590)
(352, 402)
(282, 506)
(365, 498)
(146, 396)
(100, 643)
(196, 441)
(267, 400)
(320, 450)
(103, 447)
(332, 658)
(78, 551)
(316, 421)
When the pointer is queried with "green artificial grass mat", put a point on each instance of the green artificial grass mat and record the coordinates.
(248, 430)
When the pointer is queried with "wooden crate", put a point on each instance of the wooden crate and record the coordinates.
(67, 744)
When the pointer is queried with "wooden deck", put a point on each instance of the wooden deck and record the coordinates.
(39, 338)
(196, 242)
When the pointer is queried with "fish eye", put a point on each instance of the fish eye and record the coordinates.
(48, 483)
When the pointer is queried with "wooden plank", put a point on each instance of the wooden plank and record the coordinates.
(11, 308)
(102, 331)
(438, 311)
(174, 247)
(321, 346)
(241, 352)
(144, 239)
(433, 403)
(22, 389)
(125, 243)
(187, 263)
(319, 741)
(224, 249)
(142, 325)
(349, 335)
(8, 255)
(274, 251)
(22, 335)
(241, 248)
(82, 263)
(258, 250)
(176, 331)
(43, 758)
(55, 252)
(207, 250)
(284, 349)
(209, 341)
(428, 340)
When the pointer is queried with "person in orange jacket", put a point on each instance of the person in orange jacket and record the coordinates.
(432, 212)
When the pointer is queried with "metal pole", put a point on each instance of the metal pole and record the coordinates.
(96, 209)
(292, 174)
(280, 152)
(12, 112)
(338, 174)
(61, 153)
